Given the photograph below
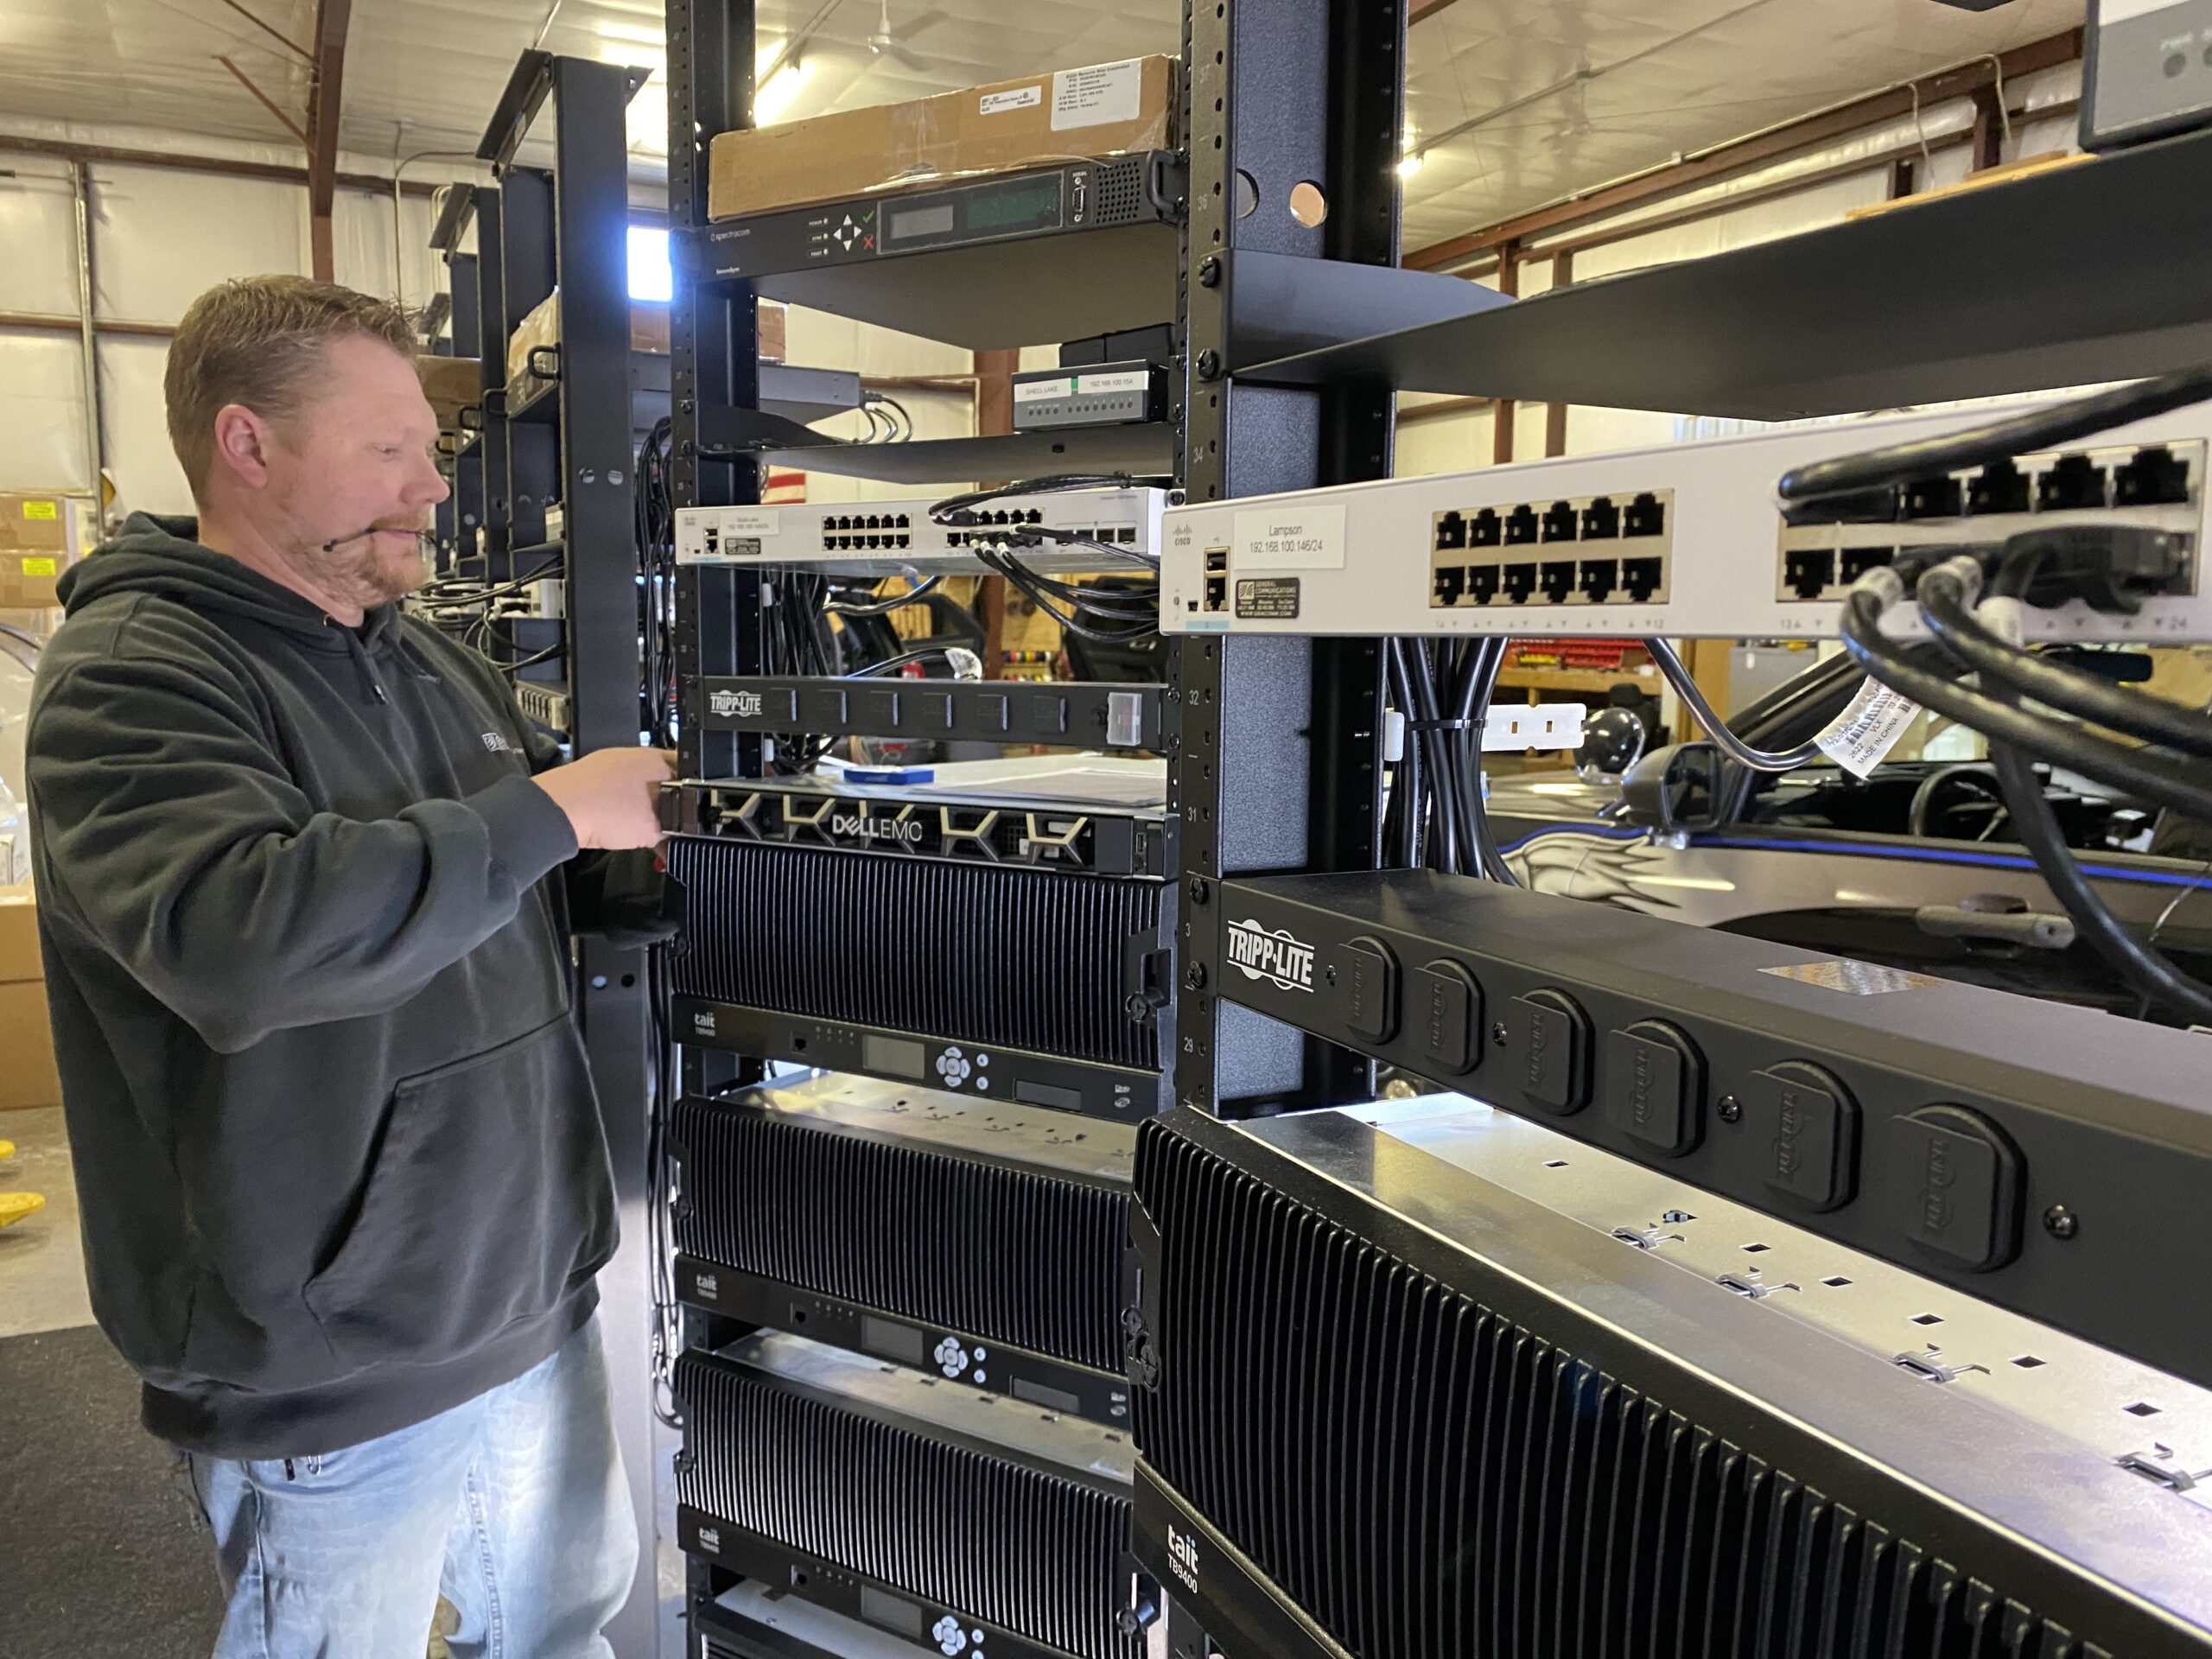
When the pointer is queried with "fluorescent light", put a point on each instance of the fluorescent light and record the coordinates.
(651, 277)
(774, 95)
(1409, 165)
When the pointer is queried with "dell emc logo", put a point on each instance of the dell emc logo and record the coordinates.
(741, 705)
(1273, 955)
(867, 829)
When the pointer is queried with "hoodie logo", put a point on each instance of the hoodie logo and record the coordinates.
(1272, 954)
(498, 744)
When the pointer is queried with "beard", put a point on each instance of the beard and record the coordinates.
(372, 569)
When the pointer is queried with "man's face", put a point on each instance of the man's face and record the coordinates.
(357, 457)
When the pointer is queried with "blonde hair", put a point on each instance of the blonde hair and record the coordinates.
(257, 342)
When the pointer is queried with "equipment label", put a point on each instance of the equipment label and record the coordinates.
(1093, 97)
(1292, 536)
(1123, 380)
(751, 521)
(1863, 734)
(1038, 391)
(1267, 599)
(1275, 955)
(1022, 97)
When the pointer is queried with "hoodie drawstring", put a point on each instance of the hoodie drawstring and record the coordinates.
(372, 688)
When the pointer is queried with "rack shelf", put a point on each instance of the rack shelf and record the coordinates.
(1053, 274)
(2082, 274)
(1142, 451)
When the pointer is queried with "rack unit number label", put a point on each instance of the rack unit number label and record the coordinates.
(1291, 537)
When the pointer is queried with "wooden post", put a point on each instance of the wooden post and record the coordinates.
(994, 418)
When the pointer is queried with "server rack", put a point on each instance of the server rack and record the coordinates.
(1275, 763)
(570, 446)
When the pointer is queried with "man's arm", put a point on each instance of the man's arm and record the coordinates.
(169, 825)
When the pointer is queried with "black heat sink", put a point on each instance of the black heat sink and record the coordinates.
(1423, 1476)
(1019, 958)
(1033, 1552)
(1027, 1257)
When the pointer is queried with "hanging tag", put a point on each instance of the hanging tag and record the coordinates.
(1864, 733)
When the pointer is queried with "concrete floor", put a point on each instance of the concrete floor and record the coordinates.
(41, 1258)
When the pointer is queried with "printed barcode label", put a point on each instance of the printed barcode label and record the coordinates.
(1859, 738)
(1102, 93)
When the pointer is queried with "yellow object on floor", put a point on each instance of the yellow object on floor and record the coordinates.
(7, 1150)
(14, 1206)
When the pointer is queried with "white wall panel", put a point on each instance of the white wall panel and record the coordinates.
(38, 237)
(361, 240)
(43, 412)
(145, 467)
(162, 237)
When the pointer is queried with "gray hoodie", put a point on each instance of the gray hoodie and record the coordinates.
(338, 1155)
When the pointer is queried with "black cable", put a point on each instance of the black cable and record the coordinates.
(1901, 463)
(532, 661)
(1489, 860)
(885, 607)
(2141, 965)
(2144, 773)
(1944, 598)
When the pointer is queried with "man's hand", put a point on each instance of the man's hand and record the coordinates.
(610, 796)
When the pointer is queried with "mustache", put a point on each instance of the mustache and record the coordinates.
(421, 532)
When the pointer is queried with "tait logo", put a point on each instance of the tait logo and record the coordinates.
(1183, 1556)
(1283, 960)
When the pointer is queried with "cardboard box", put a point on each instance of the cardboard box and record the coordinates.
(1104, 110)
(26, 1036)
(450, 384)
(648, 333)
(41, 535)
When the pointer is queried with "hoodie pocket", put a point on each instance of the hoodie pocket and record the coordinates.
(489, 1201)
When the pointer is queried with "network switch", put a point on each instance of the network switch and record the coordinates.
(1679, 541)
(878, 537)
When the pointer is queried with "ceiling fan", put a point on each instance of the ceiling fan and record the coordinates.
(887, 42)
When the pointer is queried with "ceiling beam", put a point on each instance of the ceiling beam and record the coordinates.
(275, 172)
(325, 102)
(1809, 133)
(286, 40)
(266, 102)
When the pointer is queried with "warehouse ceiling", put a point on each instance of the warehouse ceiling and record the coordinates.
(1511, 103)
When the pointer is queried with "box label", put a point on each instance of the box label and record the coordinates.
(1103, 93)
(1267, 599)
(47, 566)
(42, 509)
(1038, 391)
(1022, 97)
(1292, 536)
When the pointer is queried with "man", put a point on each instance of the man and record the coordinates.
(300, 867)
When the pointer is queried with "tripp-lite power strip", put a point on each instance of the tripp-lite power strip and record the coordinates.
(878, 537)
(1673, 543)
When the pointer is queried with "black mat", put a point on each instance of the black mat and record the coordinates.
(98, 1553)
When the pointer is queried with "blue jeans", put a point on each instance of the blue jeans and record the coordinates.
(513, 1507)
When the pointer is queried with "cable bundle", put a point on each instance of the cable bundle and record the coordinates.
(2110, 563)
(1436, 818)
(1106, 616)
